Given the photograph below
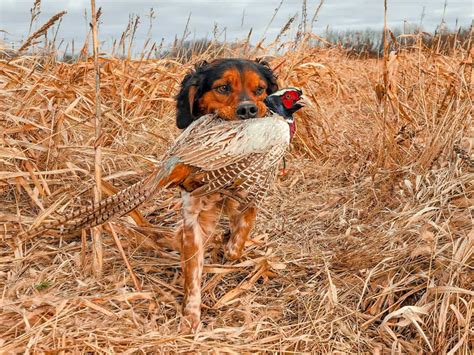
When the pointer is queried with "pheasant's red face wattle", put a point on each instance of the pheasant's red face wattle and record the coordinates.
(289, 98)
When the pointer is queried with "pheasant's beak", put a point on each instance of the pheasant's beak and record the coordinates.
(305, 101)
(301, 103)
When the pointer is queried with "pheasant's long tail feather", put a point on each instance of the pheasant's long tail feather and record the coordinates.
(116, 205)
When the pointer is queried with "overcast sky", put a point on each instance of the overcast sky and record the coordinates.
(171, 16)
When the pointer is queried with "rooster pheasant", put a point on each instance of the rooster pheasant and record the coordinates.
(216, 162)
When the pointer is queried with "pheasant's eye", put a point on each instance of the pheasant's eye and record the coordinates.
(288, 96)
(223, 89)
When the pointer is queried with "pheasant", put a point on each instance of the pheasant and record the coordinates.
(211, 160)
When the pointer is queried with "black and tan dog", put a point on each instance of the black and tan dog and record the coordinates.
(232, 88)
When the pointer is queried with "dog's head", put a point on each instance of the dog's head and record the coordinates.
(232, 88)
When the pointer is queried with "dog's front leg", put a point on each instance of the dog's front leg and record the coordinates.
(200, 218)
(241, 224)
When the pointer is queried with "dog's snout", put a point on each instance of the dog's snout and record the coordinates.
(246, 110)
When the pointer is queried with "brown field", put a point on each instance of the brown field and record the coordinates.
(365, 245)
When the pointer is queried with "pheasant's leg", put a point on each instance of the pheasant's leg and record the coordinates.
(200, 217)
(241, 225)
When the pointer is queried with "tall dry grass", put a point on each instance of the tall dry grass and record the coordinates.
(366, 245)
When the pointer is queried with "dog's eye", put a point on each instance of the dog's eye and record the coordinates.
(223, 89)
(259, 91)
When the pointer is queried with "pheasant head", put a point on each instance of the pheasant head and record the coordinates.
(286, 102)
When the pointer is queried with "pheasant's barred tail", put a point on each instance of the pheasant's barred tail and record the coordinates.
(116, 205)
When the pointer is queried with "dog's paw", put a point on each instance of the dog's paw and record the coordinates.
(189, 324)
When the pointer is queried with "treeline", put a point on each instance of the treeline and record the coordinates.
(370, 42)
(361, 43)
(365, 43)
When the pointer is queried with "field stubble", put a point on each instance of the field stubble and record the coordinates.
(366, 244)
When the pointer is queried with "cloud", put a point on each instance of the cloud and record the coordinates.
(171, 16)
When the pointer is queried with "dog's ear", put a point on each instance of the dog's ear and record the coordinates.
(187, 98)
(268, 74)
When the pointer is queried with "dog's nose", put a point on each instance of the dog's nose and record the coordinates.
(246, 110)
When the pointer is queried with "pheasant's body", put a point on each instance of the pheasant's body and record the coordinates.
(232, 156)
(239, 158)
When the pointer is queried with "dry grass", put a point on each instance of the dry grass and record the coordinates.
(366, 245)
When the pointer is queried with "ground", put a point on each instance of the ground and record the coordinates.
(365, 244)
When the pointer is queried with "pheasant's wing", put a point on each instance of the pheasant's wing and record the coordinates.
(231, 176)
(235, 154)
(262, 181)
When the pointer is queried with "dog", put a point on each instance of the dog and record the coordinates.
(233, 89)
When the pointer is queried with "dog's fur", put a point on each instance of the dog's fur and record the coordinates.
(233, 89)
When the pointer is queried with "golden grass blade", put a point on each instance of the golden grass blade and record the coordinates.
(41, 31)
(96, 232)
(244, 286)
(124, 257)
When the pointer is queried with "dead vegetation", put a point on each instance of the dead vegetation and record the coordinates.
(365, 245)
